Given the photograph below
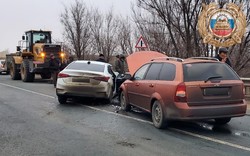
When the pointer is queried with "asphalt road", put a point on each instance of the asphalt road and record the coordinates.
(32, 122)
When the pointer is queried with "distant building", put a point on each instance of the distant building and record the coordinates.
(3, 54)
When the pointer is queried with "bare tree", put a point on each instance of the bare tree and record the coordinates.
(239, 54)
(153, 30)
(125, 37)
(180, 18)
(76, 22)
(104, 33)
(110, 35)
(97, 32)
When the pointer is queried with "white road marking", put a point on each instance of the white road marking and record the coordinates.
(211, 139)
(121, 115)
(29, 91)
(144, 121)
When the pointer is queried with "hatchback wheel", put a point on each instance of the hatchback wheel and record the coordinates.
(124, 104)
(62, 99)
(222, 121)
(158, 116)
(110, 95)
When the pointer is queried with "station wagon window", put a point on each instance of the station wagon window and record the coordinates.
(139, 75)
(153, 71)
(168, 72)
(202, 71)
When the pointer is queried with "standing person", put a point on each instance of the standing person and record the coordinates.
(121, 65)
(222, 56)
(54, 66)
(101, 58)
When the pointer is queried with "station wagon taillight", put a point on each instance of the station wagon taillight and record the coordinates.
(102, 78)
(62, 75)
(244, 90)
(180, 94)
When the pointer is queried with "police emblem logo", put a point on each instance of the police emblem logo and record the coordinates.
(222, 24)
(222, 27)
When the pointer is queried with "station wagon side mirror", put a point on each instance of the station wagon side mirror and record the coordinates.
(128, 76)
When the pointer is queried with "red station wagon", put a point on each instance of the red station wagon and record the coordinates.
(185, 89)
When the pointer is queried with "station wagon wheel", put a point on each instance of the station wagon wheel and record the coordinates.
(222, 121)
(158, 116)
(124, 104)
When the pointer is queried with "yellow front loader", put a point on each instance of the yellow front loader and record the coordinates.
(32, 56)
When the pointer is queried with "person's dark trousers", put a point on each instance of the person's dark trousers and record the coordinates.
(118, 81)
(54, 76)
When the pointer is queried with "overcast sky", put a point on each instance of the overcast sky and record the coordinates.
(18, 16)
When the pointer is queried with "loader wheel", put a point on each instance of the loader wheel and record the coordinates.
(14, 71)
(26, 75)
(45, 75)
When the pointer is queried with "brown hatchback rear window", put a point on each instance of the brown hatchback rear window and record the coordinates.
(204, 71)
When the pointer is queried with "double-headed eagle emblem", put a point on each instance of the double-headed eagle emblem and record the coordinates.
(222, 27)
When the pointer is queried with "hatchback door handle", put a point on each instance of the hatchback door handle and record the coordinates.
(137, 84)
(151, 85)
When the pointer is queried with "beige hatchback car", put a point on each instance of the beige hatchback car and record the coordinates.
(85, 79)
(190, 89)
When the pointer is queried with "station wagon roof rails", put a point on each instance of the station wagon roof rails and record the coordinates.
(168, 58)
(205, 58)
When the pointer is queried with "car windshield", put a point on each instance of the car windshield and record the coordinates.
(86, 66)
(208, 71)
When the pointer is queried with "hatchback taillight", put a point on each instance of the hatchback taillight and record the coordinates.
(62, 75)
(102, 78)
(180, 94)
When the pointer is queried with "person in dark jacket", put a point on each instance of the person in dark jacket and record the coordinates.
(121, 65)
(54, 66)
(222, 56)
(101, 58)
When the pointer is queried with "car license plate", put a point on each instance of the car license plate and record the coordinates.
(80, 80)
(216, 91)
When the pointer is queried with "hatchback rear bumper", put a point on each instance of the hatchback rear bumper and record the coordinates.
(185, 112)
(93, 92)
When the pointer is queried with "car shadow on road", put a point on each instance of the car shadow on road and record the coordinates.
(86, 101)
(203, 127)
(43, 81)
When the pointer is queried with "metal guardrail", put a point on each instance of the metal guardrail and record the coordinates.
(247, 87)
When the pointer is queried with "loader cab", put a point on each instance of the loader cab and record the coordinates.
(33, 37)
